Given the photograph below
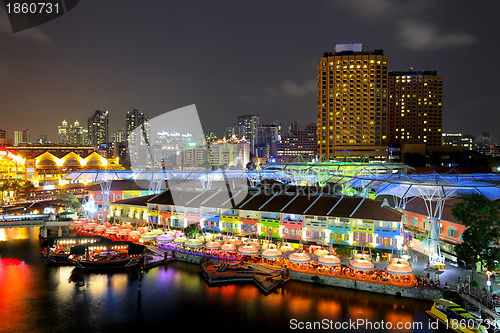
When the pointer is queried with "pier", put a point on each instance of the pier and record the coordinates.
(225, 271)
(155, 256)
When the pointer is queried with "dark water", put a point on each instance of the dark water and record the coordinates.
(36, 297)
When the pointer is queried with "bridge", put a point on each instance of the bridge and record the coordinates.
(33, 220)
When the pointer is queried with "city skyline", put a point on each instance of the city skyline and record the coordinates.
(131, 57)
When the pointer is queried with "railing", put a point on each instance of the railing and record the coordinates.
(484, 299)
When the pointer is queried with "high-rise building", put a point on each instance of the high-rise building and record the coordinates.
(98, 128)
(299, 142)
(133, 119)
(22, 136)
(267, 136)
(295, 126)
(415, 108)
(247, 126)
(119, 136)
(232, 152)
(70, 134)
(352, 102)
(459, 140)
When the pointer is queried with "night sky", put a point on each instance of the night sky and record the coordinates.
(231, 58)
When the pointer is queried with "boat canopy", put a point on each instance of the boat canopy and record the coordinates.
(133, 248)
(52, 241)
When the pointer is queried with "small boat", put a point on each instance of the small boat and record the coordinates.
(57, 250)
(105, 256)
(455, 317)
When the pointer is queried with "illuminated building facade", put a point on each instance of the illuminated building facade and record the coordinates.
(247, 127)
(22, 136)
(133, 119)
(415, 108)
(98, 128)
(314, 219)
(70, 134)
(299, 142)
(230, 152)
(352, 102)
(46, 165)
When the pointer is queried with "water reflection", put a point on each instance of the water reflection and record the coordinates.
(44, 298)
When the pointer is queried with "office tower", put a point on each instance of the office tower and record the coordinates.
(133, 119)
(70, 134)
(22, 136)
(459, 140)
(119, 136)
(415, 108)
(352, 102)
(267, 136)
(301, 142)
(98, 128)
(248, 127)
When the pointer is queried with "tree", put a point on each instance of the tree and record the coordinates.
(191, 230)
(480, 240)
(27, 187)
(70, 201)
(4, 186)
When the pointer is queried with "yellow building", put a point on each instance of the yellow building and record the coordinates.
(352, 102)
(45, 168)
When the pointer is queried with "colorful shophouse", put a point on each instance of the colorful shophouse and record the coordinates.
(321, 218)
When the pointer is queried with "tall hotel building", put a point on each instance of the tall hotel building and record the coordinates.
(352, 102)
(98, 128)
(415, 108)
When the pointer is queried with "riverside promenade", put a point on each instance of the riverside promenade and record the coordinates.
(415, 292)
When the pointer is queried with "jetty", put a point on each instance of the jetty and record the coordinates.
(225, 271)
(155, 256)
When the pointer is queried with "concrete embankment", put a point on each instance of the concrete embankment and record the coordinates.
(409, 292)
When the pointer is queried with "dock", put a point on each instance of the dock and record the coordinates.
(155, 256)
(224, 271)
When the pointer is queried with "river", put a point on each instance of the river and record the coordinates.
(37, 297)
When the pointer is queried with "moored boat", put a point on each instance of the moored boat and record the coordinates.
(113, 255)
(455, 317)
(57, 250)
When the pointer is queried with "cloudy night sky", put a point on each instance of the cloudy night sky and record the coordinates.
(231, 58)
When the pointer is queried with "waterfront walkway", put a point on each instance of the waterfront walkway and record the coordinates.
(479, 298)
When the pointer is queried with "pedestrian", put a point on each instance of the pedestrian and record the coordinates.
(462, 285)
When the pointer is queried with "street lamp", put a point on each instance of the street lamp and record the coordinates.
(488, 283)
